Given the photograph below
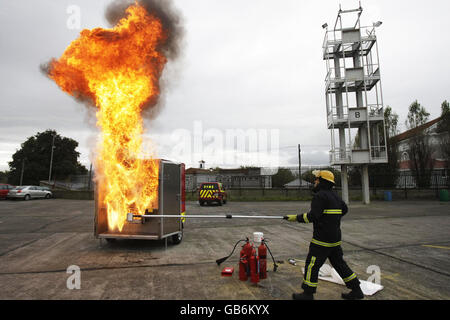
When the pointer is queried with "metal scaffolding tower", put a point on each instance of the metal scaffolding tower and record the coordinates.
(354, 98)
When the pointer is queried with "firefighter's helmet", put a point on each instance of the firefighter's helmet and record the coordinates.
(324, 174)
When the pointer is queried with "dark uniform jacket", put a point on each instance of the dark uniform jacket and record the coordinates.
(327, 209)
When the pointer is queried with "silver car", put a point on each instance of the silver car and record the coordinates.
(29, 192)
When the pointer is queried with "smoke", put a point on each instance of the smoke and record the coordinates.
(169, 16)
(171, 21)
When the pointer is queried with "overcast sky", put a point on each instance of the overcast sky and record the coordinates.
(252, 64)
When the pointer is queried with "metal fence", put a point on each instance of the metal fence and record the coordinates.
(266, 179)
(74, 182)
(435, 179)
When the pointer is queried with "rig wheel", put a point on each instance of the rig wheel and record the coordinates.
(177, 238)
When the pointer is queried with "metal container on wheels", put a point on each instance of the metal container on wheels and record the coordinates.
(171, 201)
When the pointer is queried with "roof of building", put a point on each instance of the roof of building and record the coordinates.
(199, 171)
(295, 183)
(244, 171)
(412, 132)
(239, 170)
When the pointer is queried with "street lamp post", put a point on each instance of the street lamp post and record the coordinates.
(51, 159)
(299, 166)
(21, 173)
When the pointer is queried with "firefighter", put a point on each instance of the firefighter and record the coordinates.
(327, 209)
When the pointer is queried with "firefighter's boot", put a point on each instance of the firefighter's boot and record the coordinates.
(355, 294)
(302, 296)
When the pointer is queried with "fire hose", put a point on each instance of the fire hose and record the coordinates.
(130, 217)
(219, 261)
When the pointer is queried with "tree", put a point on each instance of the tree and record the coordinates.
(386, 174)
(417, 115)
(444, 146)
(34, 157)
(308, 176)
(444, 130)
(445, 107)
(282, 177)
(444, 124)
(419, 148)
(354, 176)
(3, 176)
(391, 122)
(420, 156)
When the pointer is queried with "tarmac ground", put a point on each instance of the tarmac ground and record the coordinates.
(40, 239)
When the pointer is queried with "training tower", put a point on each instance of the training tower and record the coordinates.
(354, 99)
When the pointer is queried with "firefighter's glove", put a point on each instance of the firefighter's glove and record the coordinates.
(290, 217)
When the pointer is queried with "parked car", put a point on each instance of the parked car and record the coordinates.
(29, 192)
(4, 189)
(212, 192)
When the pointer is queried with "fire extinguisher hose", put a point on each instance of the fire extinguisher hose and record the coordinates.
(219, 261)
(275, 266)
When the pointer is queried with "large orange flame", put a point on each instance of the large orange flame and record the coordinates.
(118, 69)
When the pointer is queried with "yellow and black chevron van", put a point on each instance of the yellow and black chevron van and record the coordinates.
(212, 192)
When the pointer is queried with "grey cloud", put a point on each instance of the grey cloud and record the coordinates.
(245, 64)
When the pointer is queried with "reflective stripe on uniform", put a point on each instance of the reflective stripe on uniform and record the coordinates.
(311, 284)
(305, 217)
(332, 211)
(311, 264)
(350, 278)
(307, 279)
(326, 244)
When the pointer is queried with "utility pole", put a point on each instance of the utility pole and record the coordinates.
(21, 173)
(51, 159)
(90, 177)
(299, 166)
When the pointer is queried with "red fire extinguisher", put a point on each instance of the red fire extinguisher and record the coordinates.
(244, 267)
(254, 267)
(262, 254)
(250, 264)
(247, 248)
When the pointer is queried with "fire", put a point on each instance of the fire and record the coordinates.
(118, 69)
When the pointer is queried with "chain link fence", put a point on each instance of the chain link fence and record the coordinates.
(284, 183)
(73, 182)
